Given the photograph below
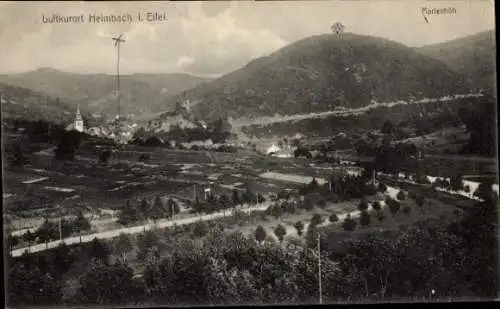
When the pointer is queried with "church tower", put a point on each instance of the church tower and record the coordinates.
(78, 121)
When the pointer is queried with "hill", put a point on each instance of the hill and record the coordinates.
(472, 56)
(141, 93)
(322, 73)
(26, 104)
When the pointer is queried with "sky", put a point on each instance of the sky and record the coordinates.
(215, 37)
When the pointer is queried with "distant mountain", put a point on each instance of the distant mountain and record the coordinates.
(141, 93)
(473, 56)
(26, 104)
(322, 73)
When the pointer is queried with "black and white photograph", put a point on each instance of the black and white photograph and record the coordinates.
(228, 153)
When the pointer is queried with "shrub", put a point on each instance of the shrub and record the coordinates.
(333, 218)
(412, 195)
(420, 200)
(299, 226)
(316, 219)
(394, 206)
(380, 216)
(200, 229)
(363, 205)
(260, 234)
(364, 218)
(401, 195)
(280, 232)
(376, 205)
(349, 224)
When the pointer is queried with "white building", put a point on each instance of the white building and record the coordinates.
(273, 149)
(78, 123)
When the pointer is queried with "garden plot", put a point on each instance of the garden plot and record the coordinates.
(291, 178)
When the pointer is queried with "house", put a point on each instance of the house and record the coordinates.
(273, 149)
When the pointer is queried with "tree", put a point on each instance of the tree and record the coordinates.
(382, 188)
(363, 205)
(31, 286)
(334, 218)
(69, 143)
(276, 211)
(107, 284)
(200, 229)
(380, 216)
(99, 250)
(312, 236)
(173, 208)
(145, 242)
(364, 218)
(420, 201)
(313, 185)
(128, 214)
(316, 219)
(349, 223)
(407, 209)
(484, 191)
(401, 195)
(280, 232)
(299, 226)
(157, 210)
(104, 157)
(322, 204)
(467, 189)
(260, 234)
(456, 182)
(81, 223)
(144, 209)
(394, 206)
(260, 198)
(236, 198)
(376, 205)
(123, 246)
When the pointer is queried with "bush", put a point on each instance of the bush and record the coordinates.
(200, 229)
(393, 205)
(401, 195)
(280, 232)
(376, 205)
(412, 195)
(363, 205)
(316, 219)
(333, 218)
(364, 218)
(349, 224)
(260, 234)
(299, 226)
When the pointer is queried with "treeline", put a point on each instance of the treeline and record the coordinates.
(146, 209)
(49, 231)
(430, 260)
(216, 203)
(481, 122)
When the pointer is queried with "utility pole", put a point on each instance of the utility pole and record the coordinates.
(118, 41)
(319, 270)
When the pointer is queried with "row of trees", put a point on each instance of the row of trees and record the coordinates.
(223, 202)
(145, 210)
(49, 231)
